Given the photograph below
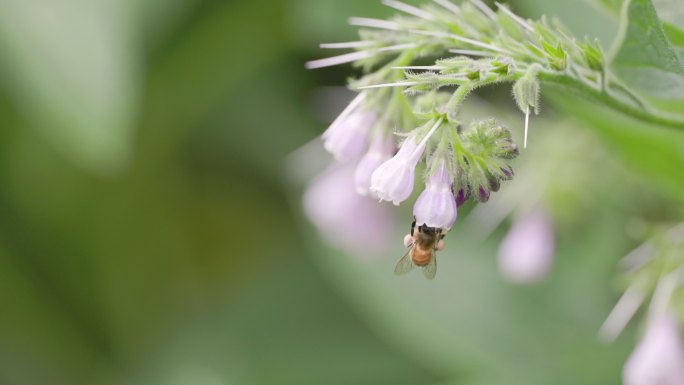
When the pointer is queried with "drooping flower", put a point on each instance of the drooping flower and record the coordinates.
(347, 220)
(659, 358)
(436, 205)
(347, 136)
(380, 150)
(526, 252)
(393, 180)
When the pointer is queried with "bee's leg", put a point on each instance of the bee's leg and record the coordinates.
(408, 240)
(440, 245)
(413, 225)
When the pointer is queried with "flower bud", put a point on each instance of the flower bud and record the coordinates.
(436, 205)
(462, 196)
(659, 357)
(592, 54)
(526, 252)
(380, 150)
(482, 194)
(526, 92)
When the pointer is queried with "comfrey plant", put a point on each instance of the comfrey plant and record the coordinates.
(407, 113)
(419, 67)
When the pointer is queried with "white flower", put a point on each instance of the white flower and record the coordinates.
(393, 180)
(659, 358)
(526, 252)
(347, 136)
(381, 149)
(436, 205)
(347, 220)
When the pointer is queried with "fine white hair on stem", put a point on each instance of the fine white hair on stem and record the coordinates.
(527, 122)
(621, 314)
(428, 68)
(460, 38)
(385, 85)
(350, 108)
(469, 52)
(638, 257)
(347, 44)
(515, 17)
(411, 10)
(429, 134)
(339, 59)
(484, 9)
(398, 47)
(662, 295)
(448, 5)
(354, 56)
(373, 23)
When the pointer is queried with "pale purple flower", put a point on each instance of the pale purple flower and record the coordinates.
(347, 136)
(381, 149)
(526, 252)
(393, 180)
(347, 220)
(436, 205)
(659, 358)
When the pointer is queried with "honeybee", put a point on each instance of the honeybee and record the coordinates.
(422, 243)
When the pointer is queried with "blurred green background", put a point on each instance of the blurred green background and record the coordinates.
(149, 235)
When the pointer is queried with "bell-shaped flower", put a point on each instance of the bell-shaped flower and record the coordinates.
(347, 220)
(526, 252)
(381, 149)
(347, 136)
(393, 179)
(436, 205)
(659, 358)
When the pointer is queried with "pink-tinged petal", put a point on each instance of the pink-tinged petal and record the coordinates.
(381, 149)
(436, 205)
(345, 219)
(393, 180)
(658, 359)
(346, 139)
(526, 252)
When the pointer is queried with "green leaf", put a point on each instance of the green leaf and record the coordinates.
(643, 57)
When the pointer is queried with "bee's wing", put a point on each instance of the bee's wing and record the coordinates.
(404, 265)
(430, 270)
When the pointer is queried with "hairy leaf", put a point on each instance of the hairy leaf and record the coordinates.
(643, 56)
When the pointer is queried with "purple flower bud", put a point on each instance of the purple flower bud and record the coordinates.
(526, 252)
(393, 179)
(462, 196)
(659, 357)
(345, 219)
(381, 149)
(507, 172)
(346, 138)
(482, 194)
(436, 205)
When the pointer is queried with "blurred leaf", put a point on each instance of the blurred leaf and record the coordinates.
(671, 11)
(39, 341)
(643, 56)
(71, 68)
(656, 152)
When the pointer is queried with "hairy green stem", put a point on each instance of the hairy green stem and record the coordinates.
(583, 90)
